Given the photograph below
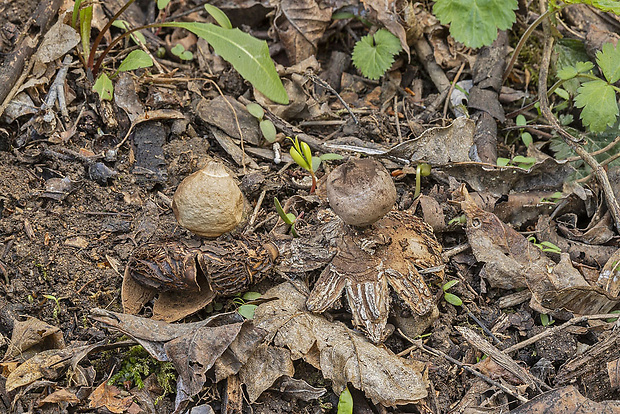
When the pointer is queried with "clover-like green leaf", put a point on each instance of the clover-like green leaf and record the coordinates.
(248, 55)
(374, 54)
(608, 60)
(598, 100)
(247, 311)
(135, 60)
(475, 22)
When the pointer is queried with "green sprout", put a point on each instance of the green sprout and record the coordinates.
(519, 161)
(266, 126)
(545, 246)
(546, 320)
(246, 309)
(450, 297)
(302, 155)
(288, 218)
(345, 402)
(56, 310)
(422, 170)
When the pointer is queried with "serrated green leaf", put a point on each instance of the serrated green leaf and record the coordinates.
(449, 284)
(251, 295)
(247, 311)
(608, 60)
(345, 402)
(583, 67)
(268, 130)
(567, 72)
(475, 22)
(255, 110)
(219, 16)
(374, 55)
(248, 55)
(135, 60)
(452, 299)
(103, 87)
(598, 100)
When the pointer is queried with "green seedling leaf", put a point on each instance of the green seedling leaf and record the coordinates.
(546, 319)
(520, 159)
(452, 299)
(103, 87)
(248, 55)
(268, 130)
(502, 162)
(549, 247)
(86, 18)
(255, 110)
(567, 72)
(527, 139)
(374, 54)
(251, 295)
(475, 22)
(316, 163)
(449, 284)
(287, 218)
(307, 153)
(76, 12)
(598, 100)
(177, 49)
(135, 60)
(187, 55)
(161, 4)
(462, 219)
(610, 320)
(299, 159)
(608, 60)
(219, 16)
(331, 157)
(520, 120)
(247, 311)
(345, 402)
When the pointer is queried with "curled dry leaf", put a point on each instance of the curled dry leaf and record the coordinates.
(511, 262)
(342, 355)
(367, 260)
(187, 279)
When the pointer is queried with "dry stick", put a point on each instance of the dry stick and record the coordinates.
(599, 171)
(555, 329)
(400, 134)
(452, 85)
(435, 352)
(257, 209)
(601, 151)
(607, 161)
(327, 86)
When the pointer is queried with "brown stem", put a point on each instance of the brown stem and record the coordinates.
(598, 170)
(97, 41)
(313, 188)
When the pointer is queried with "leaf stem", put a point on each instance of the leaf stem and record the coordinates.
(97, 41)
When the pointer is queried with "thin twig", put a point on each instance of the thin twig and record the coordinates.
(400, 134)
(327, 86)
(556, 329)
(452, 85)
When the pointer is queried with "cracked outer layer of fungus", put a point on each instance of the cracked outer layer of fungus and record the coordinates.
(390, 252)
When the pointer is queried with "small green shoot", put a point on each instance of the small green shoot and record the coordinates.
(56, 310)
(553, 198)
(246, 309)
(266, 126)
(135, 60)
(610, 320)
(345, 402)
(421, 170)
(545, 246)
(526, 137)
(288, 218)
(219, 16)
(518, 161)
(104, 88)
(374, 54)
(462, 219)
(546, 320)
(450, 297)
(179, 51)
(302, 155)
